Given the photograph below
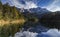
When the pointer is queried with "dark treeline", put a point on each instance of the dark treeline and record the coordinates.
(51, 19)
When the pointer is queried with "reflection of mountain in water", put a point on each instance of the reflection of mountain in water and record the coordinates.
(34, 27)
(31, 29)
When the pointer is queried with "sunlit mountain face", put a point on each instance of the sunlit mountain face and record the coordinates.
(52, 5)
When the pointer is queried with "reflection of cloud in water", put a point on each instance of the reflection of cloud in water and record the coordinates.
(26, 34)
(49, 33)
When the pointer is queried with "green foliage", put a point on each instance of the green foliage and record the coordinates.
(1, 10)
(9, 30)
(7, 12)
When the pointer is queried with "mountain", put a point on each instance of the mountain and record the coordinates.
(51, 19)
(38, 9)
(35, 10)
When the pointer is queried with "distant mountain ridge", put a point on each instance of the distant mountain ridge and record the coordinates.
(38, 12)
(35, 10)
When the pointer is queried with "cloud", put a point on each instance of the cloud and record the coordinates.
(50, 33)
(54, 6)
(21, 3)
(27, 5)
(25, 34)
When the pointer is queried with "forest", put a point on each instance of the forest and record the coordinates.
(11, 20)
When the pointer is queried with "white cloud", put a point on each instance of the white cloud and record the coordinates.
(27, 5)
(30, 5)
(54, 6)
(51, 33)
(25, 34)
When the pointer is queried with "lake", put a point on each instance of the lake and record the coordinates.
(32, 29)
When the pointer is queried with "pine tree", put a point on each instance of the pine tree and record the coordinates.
(16, 12)
(1, 8)
(5, 10)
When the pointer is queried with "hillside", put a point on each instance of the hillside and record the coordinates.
(8, 13)
(51, 19)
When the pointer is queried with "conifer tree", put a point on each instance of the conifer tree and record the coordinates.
(1, 8)
(16, 12)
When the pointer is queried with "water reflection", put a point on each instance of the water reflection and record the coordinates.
(34, 27)
(49, 33)
(31, 29)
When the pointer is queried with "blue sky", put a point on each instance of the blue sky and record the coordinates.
(52, 5)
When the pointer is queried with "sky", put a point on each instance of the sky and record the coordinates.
(52, 5)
